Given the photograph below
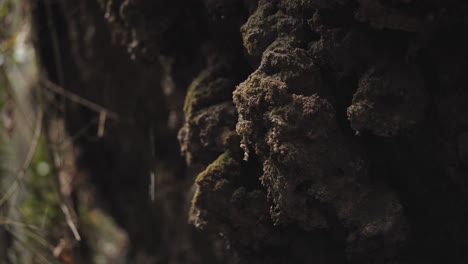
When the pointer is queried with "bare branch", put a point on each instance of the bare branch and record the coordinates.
(78, 99)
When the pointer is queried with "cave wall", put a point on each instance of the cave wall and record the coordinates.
(310, 131)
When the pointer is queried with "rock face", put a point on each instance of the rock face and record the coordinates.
(320, 131)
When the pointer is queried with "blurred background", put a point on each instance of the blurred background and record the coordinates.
(37, 223)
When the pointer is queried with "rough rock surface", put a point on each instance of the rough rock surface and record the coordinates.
(320, 131)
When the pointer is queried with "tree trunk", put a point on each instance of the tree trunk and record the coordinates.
(310, 131)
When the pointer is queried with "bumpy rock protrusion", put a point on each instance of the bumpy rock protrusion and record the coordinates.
(389, 100)
(222, 205)
(316, 176)
(210, 116)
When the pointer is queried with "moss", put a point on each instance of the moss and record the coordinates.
(225, 164)
(194, 91)
(211, 86)
(214, 187)
(210, 117)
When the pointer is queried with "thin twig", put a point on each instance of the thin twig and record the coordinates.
(78, 134)
(16, 223)
(70, 223)
(65, 207)
(102, 123)
(78, 99)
